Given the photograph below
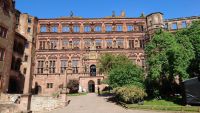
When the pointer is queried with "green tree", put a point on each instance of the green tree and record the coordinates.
(193, 33)
(105, 63)
(168, 55)
(126, 74)
(120, 70)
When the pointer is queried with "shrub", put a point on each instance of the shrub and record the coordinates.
(130, 94)
(126, 74)
(73, 86)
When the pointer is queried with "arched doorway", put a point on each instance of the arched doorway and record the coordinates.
(38, 89)
(91, 86)
(93, 70)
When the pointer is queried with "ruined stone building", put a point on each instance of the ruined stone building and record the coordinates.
(69, 47)
(7, 34)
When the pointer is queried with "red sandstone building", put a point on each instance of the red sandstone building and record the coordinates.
(69, 47)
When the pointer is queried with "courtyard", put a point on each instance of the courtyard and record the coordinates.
(91, 103)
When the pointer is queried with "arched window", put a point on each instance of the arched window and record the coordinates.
(93, 70)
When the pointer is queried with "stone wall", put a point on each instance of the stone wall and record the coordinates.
(41, 104)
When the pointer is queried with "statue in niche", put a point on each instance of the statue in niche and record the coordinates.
(46, 66)
(93, 45)
(71, 14)
(113, 13)
(70, 64)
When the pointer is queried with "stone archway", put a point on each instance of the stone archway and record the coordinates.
(93, 70)
(38, 89)
(91, 86)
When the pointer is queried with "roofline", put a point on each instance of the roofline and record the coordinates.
(183, 18)
(78, 18)
(154, 13)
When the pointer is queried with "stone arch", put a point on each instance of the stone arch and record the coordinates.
(91, 86)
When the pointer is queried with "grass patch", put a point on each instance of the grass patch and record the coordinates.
(77, 94)
(162, 105)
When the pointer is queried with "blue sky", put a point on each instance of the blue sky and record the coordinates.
(102, 8)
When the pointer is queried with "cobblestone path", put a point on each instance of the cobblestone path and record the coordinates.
(91, 103)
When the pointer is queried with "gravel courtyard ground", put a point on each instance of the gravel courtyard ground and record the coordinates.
(91, 103)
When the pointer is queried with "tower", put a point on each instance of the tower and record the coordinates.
(154, 22)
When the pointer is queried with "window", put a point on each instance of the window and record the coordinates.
(174, 26)
(131, 44)
(54, 29)
(76, 28)
(25, 58)
(24, 71)
(130, 28)
(42, 45)
(166, 26)
(29, 20)
(5, 5)
(87, 28)
(143, 63)
(98, 43)
(2, 52)
(119, 28)
(141, 28)
(99, 81)
(87, 43)
(52, 66)
(109, 43)
(97, 29)
(108, 28)
(43, 29)
(75, 44)
(120, 43)
(74, 66)
(141, 43)
(53, 44)
(63, 66)
(40, 67)
(184, 24)
(65, 29)
(3, 32)
(26, 45)
(29, 30)
(49, 85)
(64, 43)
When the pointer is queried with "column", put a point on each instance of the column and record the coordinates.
(103, 27)
(59, 28)
(124, 27)
(81, 28)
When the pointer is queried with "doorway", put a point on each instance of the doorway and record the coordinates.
(91, 86)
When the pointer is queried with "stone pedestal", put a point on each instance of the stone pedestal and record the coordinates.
(25, 103)
(63, 95)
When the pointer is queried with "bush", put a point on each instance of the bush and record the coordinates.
(130, 94)
(126, 74)
(73, 86)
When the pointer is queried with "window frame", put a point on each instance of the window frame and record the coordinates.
(119, 28)
(98, 28)
(2, 54)
(76, 28)
(3, 32)
(63, 67)
(87, 28)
